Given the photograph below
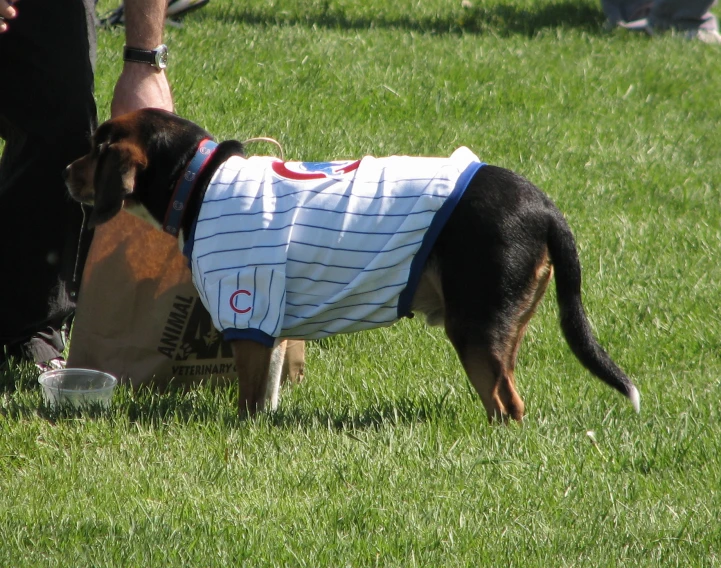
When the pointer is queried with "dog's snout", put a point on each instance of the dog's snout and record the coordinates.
(75, 180)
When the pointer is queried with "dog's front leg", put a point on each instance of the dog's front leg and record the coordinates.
(275, 373)
(252, 360)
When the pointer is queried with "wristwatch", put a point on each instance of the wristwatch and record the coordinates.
(157, 57)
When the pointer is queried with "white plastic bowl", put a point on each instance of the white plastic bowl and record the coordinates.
(77, 387)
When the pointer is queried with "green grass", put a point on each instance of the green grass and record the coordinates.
(383, 457)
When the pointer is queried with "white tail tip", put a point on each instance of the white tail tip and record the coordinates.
(635, 399)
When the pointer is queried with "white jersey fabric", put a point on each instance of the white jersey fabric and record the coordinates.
(307, 250)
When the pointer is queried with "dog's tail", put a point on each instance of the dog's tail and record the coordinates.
(574, 322)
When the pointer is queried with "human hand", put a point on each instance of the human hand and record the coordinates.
(140, 86)
(7, 12)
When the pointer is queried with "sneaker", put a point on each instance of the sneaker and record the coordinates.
(706, 36)
(182, 7)
(642, 25)
(52, 365)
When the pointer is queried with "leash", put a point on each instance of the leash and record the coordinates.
(266, 139)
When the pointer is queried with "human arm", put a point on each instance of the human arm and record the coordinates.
(141, 85)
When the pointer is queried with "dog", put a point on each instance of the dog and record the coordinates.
(480, 271)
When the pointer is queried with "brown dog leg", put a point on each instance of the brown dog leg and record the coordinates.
(252, 361)
(294, 362)
(494, 384)
(509, 347)
(488, 374)
(526, 309)
(488, 345)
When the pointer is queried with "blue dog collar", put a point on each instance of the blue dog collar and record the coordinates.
(185, 185)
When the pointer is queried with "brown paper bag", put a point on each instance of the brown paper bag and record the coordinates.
(139, 317)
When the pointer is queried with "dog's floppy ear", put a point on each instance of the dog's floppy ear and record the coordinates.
(118, 163)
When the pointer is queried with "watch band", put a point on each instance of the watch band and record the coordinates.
(157, 57)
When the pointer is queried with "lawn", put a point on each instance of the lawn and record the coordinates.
(383, 456)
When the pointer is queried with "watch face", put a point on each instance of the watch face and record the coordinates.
(161, 57)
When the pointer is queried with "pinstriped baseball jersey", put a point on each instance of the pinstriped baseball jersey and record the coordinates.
(307, 250)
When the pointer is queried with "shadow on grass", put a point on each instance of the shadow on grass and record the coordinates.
(17, 375)
(503, 19)
(399, 411)
(21, 398)
(217, 405)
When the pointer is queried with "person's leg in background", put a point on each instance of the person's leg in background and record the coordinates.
(618, 11)
(47, 112)
(692, 16)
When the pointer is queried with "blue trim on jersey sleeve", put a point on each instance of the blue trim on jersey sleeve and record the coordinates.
(439, 221)
(256, 335)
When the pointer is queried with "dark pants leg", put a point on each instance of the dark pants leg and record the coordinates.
(47, 112)
(625, 10)
(683, 15)
(663, 14)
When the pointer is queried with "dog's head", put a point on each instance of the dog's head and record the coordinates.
(134, 159)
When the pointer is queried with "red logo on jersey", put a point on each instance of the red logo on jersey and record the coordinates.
(313, 170)
(233, 302)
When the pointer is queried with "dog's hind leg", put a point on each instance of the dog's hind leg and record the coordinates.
(488, 343)
(485, 361)
(489, 353)
(527, 306)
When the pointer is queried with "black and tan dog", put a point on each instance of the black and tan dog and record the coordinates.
(484, 276)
